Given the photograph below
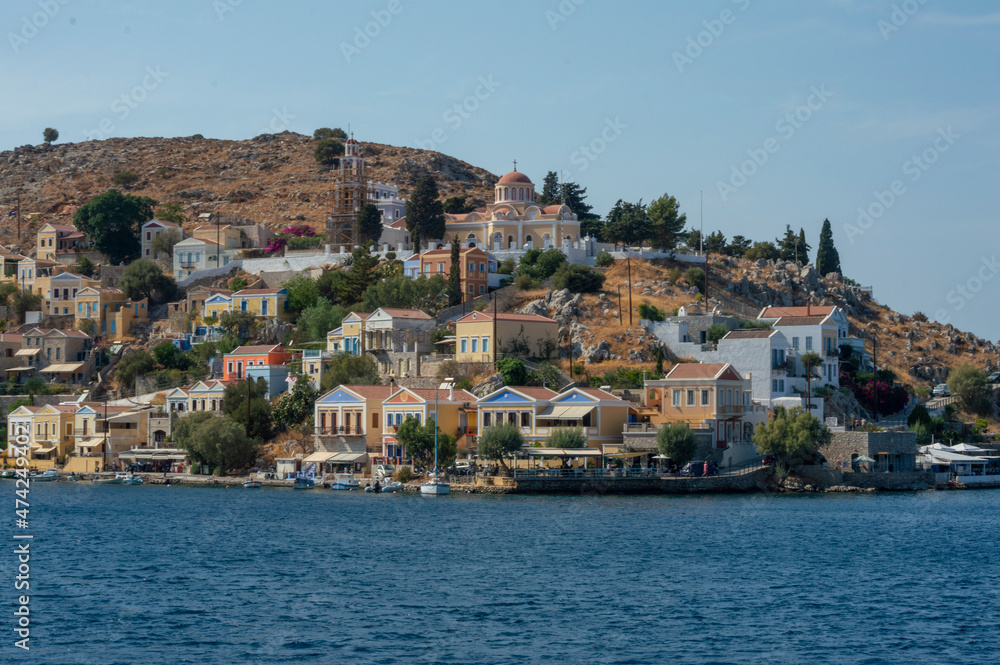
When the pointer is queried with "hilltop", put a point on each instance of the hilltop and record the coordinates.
(920, 352)
(271, 179)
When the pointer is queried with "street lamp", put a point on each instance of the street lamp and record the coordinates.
(437, 406)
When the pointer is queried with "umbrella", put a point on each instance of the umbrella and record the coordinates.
(863, 460)
(660, 457)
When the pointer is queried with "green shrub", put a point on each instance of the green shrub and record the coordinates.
(674, 276)
(716, 332)
(604, 259)
(650, 312)
(578, 279)
(526, 283)
(695, 277)
(403, 474)
(124, 179)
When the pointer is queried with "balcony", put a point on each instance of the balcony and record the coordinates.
(782, 366)
(340, 431)
(732, 410)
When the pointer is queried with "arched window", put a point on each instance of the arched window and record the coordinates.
(547, 240)
(531, 214)
(527, 239)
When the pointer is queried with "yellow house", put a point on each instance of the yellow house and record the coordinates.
(49, 429)
(22, 421)
(122, 427)
(63, 289)
(351, 412)
(349, 337)
(224, 234)
(63, 243)
(48, 239)
(478, 335)
(539, 412)
(704, 396)
(92, 303)
(449, 406)
(9, 265)
(30, 274)
(268, 303)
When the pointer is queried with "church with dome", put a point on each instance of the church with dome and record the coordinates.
(515, 220)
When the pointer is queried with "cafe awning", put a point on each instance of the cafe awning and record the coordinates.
(59, 368)
(27, 352)
(318, 458)
(42, 451)
(94, 444)
(563, 452)
(627, 455)
(347, 458)
(21, 369)
(564, 412)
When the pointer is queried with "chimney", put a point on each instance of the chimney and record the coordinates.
(809, 307)
(451, 392)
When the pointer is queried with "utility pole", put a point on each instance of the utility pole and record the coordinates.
(19, 217)
(875, 376)
(701, 242)
(496, 342)
(619, 305)
(628, 260)
(218, 246)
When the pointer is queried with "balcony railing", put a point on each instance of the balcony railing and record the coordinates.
(783, 366)
(345, 431)
(732, 410)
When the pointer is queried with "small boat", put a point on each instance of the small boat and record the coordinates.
(47, 477)
(252, 484)
(303, 484)
(9, 473)
(73, 478)
(344, 482)
(109, 480)
(435, 486)
(130, 479)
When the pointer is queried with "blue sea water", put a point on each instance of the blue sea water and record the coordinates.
(201, 575)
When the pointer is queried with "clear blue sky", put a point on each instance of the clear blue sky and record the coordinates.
(628, 79)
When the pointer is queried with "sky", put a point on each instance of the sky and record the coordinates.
(879, 115)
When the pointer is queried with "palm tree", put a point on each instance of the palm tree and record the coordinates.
(810, 361)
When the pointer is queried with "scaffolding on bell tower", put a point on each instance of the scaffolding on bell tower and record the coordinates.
(350, 193)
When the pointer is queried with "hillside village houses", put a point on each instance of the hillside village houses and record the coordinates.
(475, 268)
(480, 336)
(150, 231)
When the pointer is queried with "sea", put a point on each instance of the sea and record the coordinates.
(154, 574)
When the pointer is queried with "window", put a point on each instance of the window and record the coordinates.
(440, 267)
(809, 343)
(375, 420)
(482, 267)
(526, 419)
(487, 418)
(676, 397)
(482, 289)
(229, 368)
(57, 352)
(472, 266)
(475, 344)
(706, 399)
(486, 345)
(465, 345)
(795, 343)
(472, 288)
(690, 397)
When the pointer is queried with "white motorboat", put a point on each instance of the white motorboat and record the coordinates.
(129, 478)
(390, 486)
(344, 481)
(46, 477)
(252, 484)
(109, 480)
(435, 486)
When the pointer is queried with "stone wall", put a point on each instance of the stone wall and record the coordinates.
(749, 482)
(826, 477)
(845, 444)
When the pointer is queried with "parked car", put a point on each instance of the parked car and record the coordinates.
(694, 468)
(464, 468)
(994, 377)
(384, 471)
(941, 390)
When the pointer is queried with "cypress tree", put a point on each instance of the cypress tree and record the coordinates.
(424, 212)
(827, 258)
(454, 275)
(803, 246)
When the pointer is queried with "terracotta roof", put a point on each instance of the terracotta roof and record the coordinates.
(256, 292)
(372, 392)
(447, 252)
(695, 370)
(62, 227)
(360, 315)
(812, 310)
(15, 338)
(800, 320)
(258, 349)
(750, 333)
(514, 177)
(398, 224)
(488, 316)
(65, 408)
(161, 222)
(455, 217)
(534, 392)
(405, 313)
(552, 209)
(598, 393)
(221, 227)
(428, 394)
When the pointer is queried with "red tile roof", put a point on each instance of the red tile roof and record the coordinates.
(598, 393)
(259, 349)
(257, 292)
(800, 320)
(811, 310)
(442, 394)
(534, 392)
(372, 392)
(405, 313)
(695, 370)
(750, 333)
(488, 316)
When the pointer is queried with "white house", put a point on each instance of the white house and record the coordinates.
(196, 254)
(150, 231)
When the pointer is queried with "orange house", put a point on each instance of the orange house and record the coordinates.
(474, 270)
(235, 364)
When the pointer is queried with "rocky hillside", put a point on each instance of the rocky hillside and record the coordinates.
(271, 178)
(921, 353)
